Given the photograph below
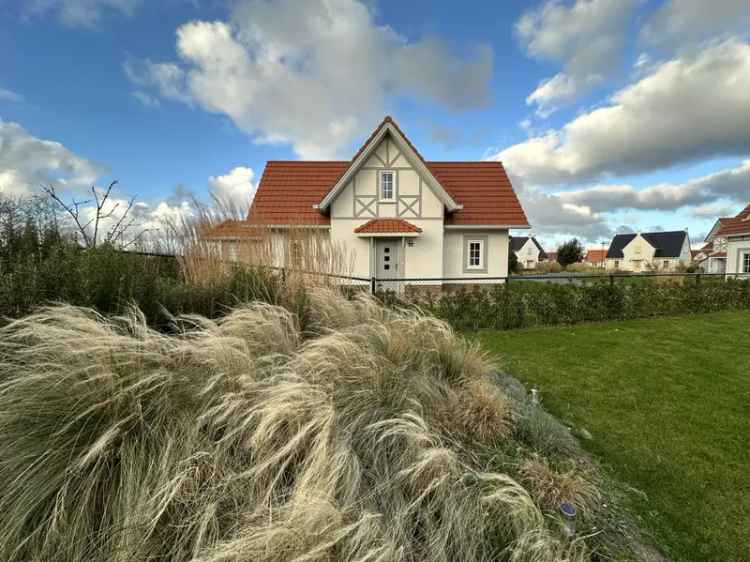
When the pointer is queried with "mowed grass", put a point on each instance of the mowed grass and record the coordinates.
(667, 402)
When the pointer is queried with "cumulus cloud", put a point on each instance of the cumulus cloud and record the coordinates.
(692, 107)
(146, 100)
(588, 213)
(86, 13)
(585, 37)
(233, 190)
(704, 192)
(26, 162)
(680, 21)
(166, 78)
(7, 95)
(714, 210)
(552, 216)
(315, 74)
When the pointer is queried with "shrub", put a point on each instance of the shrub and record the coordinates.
(244, 438)
(528, 304)
(570, 252)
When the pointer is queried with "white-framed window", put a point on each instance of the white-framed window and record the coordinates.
(666, 264)
(475, 254)
(746, 262)
(387, 185)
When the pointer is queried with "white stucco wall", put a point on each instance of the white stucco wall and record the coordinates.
(637, 254)
(496, 253)
(415, 202)
(736, 248)
(528, 255)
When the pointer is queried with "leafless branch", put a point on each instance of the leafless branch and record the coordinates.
(116, 234)
(73, 209)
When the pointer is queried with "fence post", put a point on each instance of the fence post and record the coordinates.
(372, 285)
(611, 280)
(283, 275)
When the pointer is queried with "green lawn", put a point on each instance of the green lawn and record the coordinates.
(667, 402)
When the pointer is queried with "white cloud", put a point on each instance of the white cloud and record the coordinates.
(705, 194)
(167, 79)
(233, 190)
(85, 13)
(146, 100)
(26, 162)
(7, 95)
(714, 211)
(585, 37)
(690, 108)
(588, 213)
(551, 216)
(316, 74)
(680, 21)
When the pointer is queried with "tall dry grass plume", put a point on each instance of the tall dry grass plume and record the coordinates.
(241, 439)
(217, 238)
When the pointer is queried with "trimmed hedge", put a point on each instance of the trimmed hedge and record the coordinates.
(523, 305)
(109, 281)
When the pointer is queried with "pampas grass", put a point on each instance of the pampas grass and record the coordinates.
(245, 439)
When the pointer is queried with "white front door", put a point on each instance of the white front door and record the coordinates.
(387, 262)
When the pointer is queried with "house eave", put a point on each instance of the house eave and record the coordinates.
(408, 152)
(487, 226)
(388, 234)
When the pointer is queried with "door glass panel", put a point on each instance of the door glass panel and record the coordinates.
(386, 267)
(387, 250)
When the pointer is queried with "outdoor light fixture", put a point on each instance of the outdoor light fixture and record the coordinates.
(569, 512)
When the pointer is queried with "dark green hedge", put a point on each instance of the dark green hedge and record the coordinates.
(528, 304)
(109, 281)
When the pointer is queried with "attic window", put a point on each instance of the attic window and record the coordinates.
(387, 185)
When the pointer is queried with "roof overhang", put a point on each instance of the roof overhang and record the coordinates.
(487, 226)
(389, 128)
(388, 234)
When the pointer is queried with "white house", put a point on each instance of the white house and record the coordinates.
(736, 233)
(399, 215)
(648, 251)
(528, 251)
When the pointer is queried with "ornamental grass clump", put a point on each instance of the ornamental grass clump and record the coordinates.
(247, 438)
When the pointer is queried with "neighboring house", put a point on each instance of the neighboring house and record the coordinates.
(398, 215)
(551, 256)
(528, 251)
(735, 232)
(649, 251)
(596, 257)
(713, 256)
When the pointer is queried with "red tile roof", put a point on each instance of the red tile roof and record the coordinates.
(595, 256)
(288, 190)
(376, 226)
(737, 225)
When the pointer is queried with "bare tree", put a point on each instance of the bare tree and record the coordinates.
(90, 229)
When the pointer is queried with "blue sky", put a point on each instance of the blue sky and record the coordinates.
(609, 114)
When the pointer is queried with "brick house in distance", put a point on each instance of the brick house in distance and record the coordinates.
(399, 215)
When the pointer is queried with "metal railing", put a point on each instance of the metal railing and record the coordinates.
(375, 283)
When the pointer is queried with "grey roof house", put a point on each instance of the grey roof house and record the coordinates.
(645, 251)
